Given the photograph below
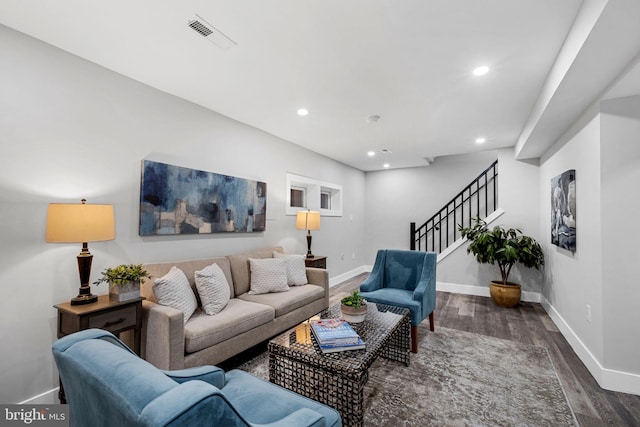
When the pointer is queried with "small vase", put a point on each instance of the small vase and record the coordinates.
(353, 314)
(124, 292)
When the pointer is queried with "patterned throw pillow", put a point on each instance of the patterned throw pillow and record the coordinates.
(213, 289)
(268, 275)
(296, 268)
(173, 290)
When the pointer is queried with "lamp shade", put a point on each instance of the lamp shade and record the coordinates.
(308, 220)
(79, 223)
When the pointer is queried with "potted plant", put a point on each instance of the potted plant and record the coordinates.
(353, 307)
(504, 247)
(124, 281)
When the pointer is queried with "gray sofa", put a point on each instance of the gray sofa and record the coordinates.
(169, 343)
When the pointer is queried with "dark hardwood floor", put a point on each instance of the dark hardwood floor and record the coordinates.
(529, 323)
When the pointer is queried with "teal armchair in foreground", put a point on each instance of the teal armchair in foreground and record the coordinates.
(405, 279)
(106, 384)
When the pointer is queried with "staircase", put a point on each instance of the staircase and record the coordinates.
(478, 199)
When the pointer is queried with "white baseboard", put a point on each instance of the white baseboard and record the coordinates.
(349, 274)
(454, 288)
(608, 379)
(47, 398)
(481, 291)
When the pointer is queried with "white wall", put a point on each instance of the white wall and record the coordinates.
(603, 149)
(518, 197)
(70, 129)
(620, 209)
(395, 198)
(573, 280)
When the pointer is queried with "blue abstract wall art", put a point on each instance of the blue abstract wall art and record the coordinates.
(563, 210)
(178, 200)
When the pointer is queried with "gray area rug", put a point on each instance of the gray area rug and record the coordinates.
(461, 379)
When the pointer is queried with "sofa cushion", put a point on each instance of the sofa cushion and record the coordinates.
(285, 302)
(173, 290)
(239, 265)
(213, 289)
(268, 275)
(202, 331)
(296, 268)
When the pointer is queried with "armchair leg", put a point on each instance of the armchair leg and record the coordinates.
(431, 324)
(414, 339)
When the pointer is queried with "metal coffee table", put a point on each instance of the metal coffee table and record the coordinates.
(338, 379)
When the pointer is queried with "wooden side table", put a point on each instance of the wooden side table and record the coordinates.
(316, 261)
(112, 316)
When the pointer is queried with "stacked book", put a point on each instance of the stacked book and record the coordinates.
(335, 335)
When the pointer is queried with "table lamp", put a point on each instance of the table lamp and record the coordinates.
(81, 223)
(308, 220)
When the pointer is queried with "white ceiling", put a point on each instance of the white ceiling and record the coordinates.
(408, 61)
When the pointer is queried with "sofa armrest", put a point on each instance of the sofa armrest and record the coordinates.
(319, 277)
(162, 336)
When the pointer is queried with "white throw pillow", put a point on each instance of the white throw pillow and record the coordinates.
(173, 290)
(296, 268)
(213, 289)
(268, 275)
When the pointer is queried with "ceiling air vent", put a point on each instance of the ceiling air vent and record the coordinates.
(199, 27)
(211, 33)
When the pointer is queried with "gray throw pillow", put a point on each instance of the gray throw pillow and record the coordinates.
(268, 275)
(296, 268)
(173, 290)
(213, 289)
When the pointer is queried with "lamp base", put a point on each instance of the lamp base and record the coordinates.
(309, 254)
(84, 268)
(84, 297)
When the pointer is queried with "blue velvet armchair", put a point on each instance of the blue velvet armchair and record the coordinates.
(106, 384)
(405, 279)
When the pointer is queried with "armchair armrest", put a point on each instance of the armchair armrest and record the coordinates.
(375, 279)
(88, 334)
(372, 282)
(209, 374)
(301, 417)
(182, 406)
(425, 290)
(420, 292)
(162, 336)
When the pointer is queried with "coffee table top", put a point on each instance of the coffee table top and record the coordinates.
(380, 323)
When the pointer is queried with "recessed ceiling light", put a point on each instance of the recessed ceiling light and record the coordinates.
(386, 165)
(303, 112)
(481, 71)
(481, 140)
(371, 153)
